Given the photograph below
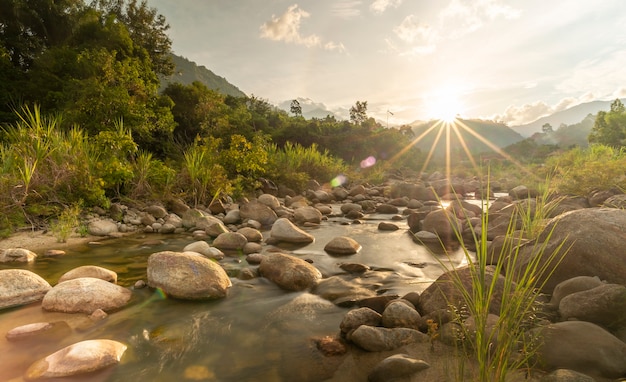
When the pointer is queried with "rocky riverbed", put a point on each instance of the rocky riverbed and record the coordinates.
(336, 276)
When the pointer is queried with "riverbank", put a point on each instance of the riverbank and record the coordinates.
(40, 241)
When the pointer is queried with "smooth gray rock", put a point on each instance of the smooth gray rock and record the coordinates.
(85, 295)
(357, 317)
(396, 366)
(230, 241)
(289, 272)
(573, 285)
(307, 214)
(372, 338)
(604, 305)
(102, 228)
(90, 271)
(21, 287)
(18, 255)
(342, 245)
(285, 230)
(398, 314)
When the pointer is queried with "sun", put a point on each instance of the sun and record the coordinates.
(444, 104)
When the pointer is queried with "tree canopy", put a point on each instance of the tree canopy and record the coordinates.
(610, 127)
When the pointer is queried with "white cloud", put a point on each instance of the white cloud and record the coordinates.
(410, 29)
(520, 115)
(462, 17)
(380, 6)
(346, 9)
(287, 28)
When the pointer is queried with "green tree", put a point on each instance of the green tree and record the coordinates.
(610, 127)
(547, 128)
(358, 112)
(296, 109)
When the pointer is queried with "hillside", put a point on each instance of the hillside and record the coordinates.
(570, 116)
(566, 136)
(497, 134)
(187, 72)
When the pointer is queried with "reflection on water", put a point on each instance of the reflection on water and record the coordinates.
(257, 333)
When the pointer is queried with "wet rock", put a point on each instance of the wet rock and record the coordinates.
(21, 287)
(354, 267)
(357, 317)
(258, 211)
(251, 234)
(580, 346)
(342, 292)
(573, 285)
(398, 314)
(396, 366)
(307, 215)
(200, 246)
(157, 211)
(187, 275)
(254, 258)
(342, 245)
(216, 229)
(380, 339)
(40, 331)
(102, 228)
(565, 375)
(386, 209)
(285, 230)
(385, 226)
(54, 253)
(289, 272)
(232, 217)
(79, 358)
(252, 248)
(84, 295)
(269, 200)
(90, 271)
(377, 303)
(230, 241)
(444, 224)
(349, 207)
(330, 346)
(604, 305)
(18, 255)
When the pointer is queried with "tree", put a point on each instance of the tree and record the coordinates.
(358, 113)
(296, 109)
(547, 128)
(610, 127)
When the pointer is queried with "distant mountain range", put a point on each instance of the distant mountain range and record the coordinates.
(186, 72)
(573, 115)
(477, 136)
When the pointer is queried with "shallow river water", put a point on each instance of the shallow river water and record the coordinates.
(254, 334)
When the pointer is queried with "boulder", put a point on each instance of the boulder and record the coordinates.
(307, 214)
(357, 317)
(230, 241)
(396, 366)
(566, 375)
(342, 245)
(18, 255)
(90, 271)
(21, 287)
(53, 331)
(377, 339)
(343, 290)
(269, 200)
(386, 209)
(346, 208)
(580, 346)
(200, 246)
(285, 230)
(289, 272)
(85, 295)
(258, 211)
(604, 305)
(102, 228)
(232, 217)
(399, 314)
(216, 229)
(79, 358)
(592, 241)
(187, 275)
(444, 224)
(386, 226)
(157, 211)
(573, 285)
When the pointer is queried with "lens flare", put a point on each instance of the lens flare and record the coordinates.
(339, 180)
(368, 162)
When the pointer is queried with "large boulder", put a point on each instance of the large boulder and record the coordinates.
(592, 241)
(307, 214)
(255, 210)
(342, 245)
(289, 272)
(580, 346)
(17, 255)
(102, 228)
(284, 230)
(444, 224)
(85, 295)
(21, 287)
(79, 358)
(397, 366)
(187, 275)
(90, 271)
(603, 305)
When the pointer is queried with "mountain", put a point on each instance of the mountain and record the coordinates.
(186, 72)
(570, 116)
(464, 132)
(568, 135)
(310, 109)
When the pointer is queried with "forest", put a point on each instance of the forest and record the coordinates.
(83, 123)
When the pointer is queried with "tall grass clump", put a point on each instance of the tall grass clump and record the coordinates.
(500, 349)
(66, 223)
(202, 175)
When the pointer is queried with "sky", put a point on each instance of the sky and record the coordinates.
(512, 61)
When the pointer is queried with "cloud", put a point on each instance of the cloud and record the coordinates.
(520, 115)
(346, 9)
(380, 6)
(287, 28)
(410, 29)
(462, 17)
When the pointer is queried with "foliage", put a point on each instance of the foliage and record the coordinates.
(581, 171)
(67, 222)
(358, 112)
(202, 175)
(610, 127)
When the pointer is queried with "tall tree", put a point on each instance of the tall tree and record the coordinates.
(358, 112)
(296, 109)
(610, 127)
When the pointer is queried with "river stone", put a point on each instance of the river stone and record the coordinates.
(191, 216)
(232, 217)
(396, 366)
(216, 229)
(289, 272)
(566, 375)
(187, 275)
(251, 234)
(40, 330)
(284, 230)
(573, 285)
(386, 209)
(230, 241)
(350, 207)
(342, 245)
(595, 238)
(79, 358)
(307, 214)
(380, 339)
(102, 228)
(580, 346)
(444, 224)
(200, 246)
(90, 271)
(21, 287)
(269, 200)
(84, 295)
(357, 317)
(258, 211)
(340, 193)
(616, 201)
(342, 292)
(386, 226)
(444, 291)
(18, 255)
(157, 211)
(604, 305)
(398, 314)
